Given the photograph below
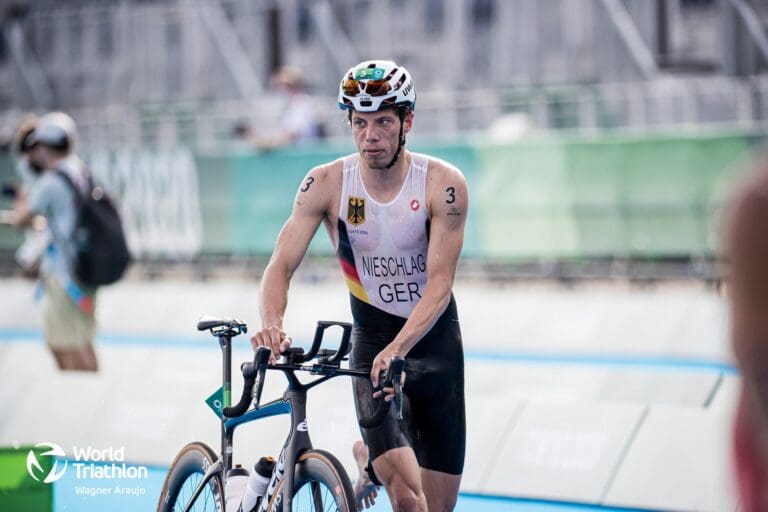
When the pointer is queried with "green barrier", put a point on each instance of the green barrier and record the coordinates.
(549, 198)
(263, 190)
(214, 176)
(18, 490)
(524, 201)
(608, 197)
(673, 189)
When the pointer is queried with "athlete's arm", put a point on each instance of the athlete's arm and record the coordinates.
(447, 200)
(309, 208)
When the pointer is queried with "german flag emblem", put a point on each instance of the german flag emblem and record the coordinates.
(356, 210)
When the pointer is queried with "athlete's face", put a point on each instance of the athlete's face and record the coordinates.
(376, 135)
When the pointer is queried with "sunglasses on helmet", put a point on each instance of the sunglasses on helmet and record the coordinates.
(352, 87)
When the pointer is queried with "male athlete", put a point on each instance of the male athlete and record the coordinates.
(396, 219)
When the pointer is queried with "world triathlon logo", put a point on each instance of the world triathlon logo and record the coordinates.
(35, 469)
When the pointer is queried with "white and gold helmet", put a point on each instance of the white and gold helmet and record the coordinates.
(376, 84)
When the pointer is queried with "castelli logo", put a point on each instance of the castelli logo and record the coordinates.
(34, 468)
(415, 204)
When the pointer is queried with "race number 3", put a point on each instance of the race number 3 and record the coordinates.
(451, 195)
(307, 184)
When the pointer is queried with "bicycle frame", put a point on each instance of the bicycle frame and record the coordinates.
(294, 401)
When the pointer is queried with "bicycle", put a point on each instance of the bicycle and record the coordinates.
(317, 480)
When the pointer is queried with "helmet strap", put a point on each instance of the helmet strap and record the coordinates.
(402, 113)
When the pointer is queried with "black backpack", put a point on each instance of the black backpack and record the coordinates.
(101, 252)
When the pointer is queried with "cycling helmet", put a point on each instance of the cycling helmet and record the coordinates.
(375, 84)
(57, 130)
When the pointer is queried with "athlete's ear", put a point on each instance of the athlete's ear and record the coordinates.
(408, 122)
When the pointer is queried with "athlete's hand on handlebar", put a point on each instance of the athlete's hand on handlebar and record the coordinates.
(389, 391)
(380, 367)
(274, 338)
(392, 382)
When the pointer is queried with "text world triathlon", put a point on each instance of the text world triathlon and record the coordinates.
(105, 464)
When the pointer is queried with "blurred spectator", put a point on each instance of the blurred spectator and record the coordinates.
(747, 288)
(299, 119)
(298, 123)
(69, 320)
(36, 239)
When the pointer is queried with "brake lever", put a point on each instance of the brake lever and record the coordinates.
(394, 377)
(398, 398)
(397, 366)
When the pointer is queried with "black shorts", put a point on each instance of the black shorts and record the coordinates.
(433, 422)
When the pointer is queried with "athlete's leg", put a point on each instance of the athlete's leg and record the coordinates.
(365, 490)
(398, 470)
(441, 490)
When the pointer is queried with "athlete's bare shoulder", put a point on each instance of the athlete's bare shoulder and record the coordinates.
(446, 189)
(320, 186)
(439, 169)
(324, 175)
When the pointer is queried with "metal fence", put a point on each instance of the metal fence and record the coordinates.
(132, 52)
(500, 114)
(164, 73)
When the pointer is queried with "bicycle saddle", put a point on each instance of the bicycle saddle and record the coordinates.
(208, 322)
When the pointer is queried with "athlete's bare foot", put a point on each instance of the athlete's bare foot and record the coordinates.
(365, 490)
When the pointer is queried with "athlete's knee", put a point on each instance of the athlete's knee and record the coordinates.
(441, 489)
(444, 504)
(407, 496)
(407, 499)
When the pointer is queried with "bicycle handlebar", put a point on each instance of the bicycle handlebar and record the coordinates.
(328, 365)
(253, 373)
(342, 351)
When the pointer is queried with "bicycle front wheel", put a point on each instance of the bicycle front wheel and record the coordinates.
(320, 485)
(185, 474)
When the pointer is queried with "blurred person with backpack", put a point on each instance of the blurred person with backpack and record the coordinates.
(88, 246)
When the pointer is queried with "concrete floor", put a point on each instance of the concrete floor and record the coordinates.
(601, 394)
